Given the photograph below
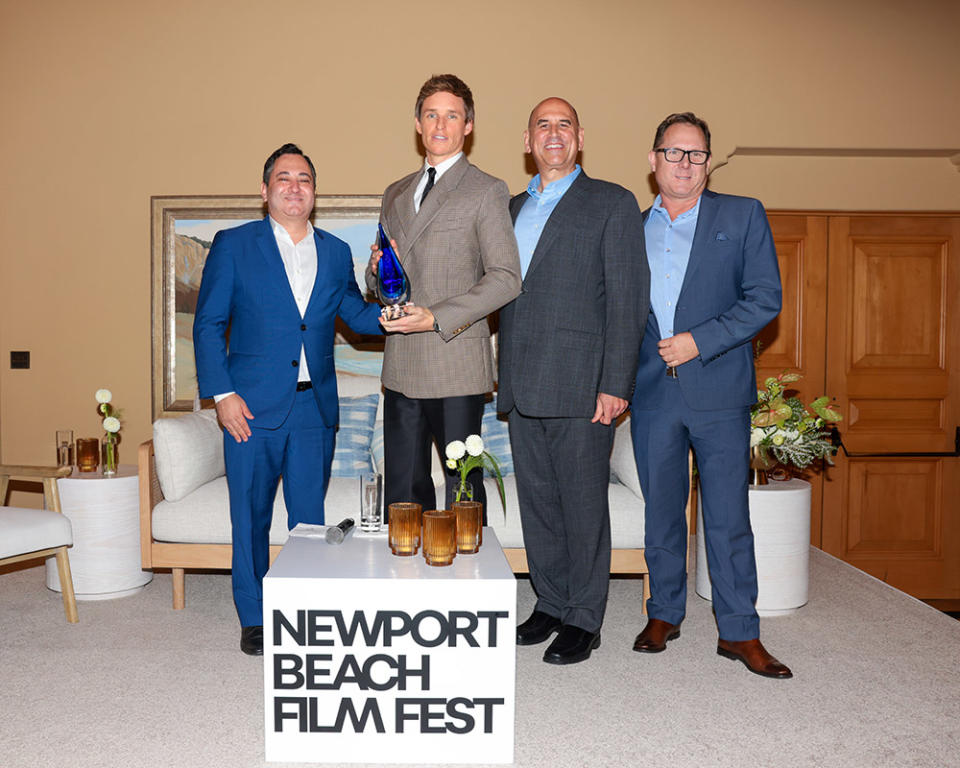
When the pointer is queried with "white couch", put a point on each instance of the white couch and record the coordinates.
(185, 513)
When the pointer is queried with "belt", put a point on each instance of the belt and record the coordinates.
(303, 386)
(672, 373)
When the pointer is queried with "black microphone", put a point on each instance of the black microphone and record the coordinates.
(338, 533)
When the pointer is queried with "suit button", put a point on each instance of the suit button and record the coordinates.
(303, 327)
(294, 363)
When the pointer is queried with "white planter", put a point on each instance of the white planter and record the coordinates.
(780, 519)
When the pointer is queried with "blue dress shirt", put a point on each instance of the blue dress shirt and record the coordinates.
(535, 212)
(668, 252)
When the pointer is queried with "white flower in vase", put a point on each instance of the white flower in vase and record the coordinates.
(474, 445)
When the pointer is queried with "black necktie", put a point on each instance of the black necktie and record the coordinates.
(432, 174)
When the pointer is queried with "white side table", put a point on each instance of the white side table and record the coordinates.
(780, 519)
(105, 514)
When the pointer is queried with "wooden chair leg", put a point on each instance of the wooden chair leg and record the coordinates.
(66, 585)
(179, 589)
(646, 593)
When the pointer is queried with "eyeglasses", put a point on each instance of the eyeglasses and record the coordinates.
(674, 155)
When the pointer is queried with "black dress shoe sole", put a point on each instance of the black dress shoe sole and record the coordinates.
(537, 639)
(658, 649)
(735, 657)
(557, 658)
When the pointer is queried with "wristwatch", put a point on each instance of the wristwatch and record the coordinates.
(436, 326)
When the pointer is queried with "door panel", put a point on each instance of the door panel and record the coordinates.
(893, 352)
(796, 338)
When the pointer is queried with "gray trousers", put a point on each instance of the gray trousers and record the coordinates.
(562, 467)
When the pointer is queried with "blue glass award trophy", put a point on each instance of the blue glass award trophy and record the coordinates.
(393, 287)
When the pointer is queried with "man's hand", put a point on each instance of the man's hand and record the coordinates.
(233, 414)
(608, 408)
(678, 349)
(376, 253)
(417, 320)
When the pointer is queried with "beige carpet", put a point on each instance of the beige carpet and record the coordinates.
(137, 684)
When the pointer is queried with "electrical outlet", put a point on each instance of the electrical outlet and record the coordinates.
(19, 359)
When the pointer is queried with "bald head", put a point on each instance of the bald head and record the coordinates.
(554, 137)
(555, 102)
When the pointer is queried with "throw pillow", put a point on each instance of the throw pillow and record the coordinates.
(351, 456)
(496, 438)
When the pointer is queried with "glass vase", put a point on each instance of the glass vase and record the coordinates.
(463, 491)
(110, 456)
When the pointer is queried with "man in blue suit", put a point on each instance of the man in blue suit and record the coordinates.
(275, 286)
(715, 284)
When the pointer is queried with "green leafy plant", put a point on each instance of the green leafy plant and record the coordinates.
(784, 430)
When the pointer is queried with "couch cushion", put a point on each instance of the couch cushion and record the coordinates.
(626, 515)
(30, 530)
(354, 436)
(204, 516)
(623, 465)
(188, 451)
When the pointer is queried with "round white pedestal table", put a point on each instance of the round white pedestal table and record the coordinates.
(105, 515)
(780, 519)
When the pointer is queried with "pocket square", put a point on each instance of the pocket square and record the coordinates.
(722, 236)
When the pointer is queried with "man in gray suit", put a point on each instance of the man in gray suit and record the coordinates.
(454, 238)
(568, 355)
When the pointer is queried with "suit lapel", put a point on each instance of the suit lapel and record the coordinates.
(276, 276)
(324, 271)
(558, 220)
(700, 249)
(435, 200)
(403, 208)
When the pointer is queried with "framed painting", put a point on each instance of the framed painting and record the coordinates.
(182, 229)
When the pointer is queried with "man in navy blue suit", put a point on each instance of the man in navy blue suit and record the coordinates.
(275, 286)
(715, 284)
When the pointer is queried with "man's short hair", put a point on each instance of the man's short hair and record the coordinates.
(286, 149)
(446, 84)
(681, 117)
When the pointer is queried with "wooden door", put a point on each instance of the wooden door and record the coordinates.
(796, 339)
(893, 363)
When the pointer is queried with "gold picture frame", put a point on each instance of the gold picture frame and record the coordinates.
(182, 227)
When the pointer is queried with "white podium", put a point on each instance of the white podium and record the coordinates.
(780, 519)
(373, 658)
(105, 515)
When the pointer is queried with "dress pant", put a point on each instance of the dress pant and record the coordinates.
(410, 427)
(721, 443)
(562, 469)
(301, 451)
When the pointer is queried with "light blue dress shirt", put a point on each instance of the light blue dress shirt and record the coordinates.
(535, 212)
(668, 252)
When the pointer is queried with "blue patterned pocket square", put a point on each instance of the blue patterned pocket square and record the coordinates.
(722, 236)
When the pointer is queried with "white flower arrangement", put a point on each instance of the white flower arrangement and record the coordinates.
(111, 425)
(468, 455)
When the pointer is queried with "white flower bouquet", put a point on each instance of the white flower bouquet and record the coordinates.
(468, 455)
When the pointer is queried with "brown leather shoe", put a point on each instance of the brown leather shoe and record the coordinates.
(655, 636)
(754, 657)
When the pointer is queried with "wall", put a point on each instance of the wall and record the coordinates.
(106, 103)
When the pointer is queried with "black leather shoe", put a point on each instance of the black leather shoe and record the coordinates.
(571, 645)
(537, 628)
(251, 640)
